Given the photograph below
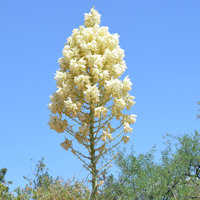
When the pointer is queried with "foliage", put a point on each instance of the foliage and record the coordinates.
(198, 116)
(90, 94)
(41, 178)
(177, 176)
(43, 186)
(4, 186)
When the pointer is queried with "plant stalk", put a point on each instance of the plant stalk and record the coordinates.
(93, 157)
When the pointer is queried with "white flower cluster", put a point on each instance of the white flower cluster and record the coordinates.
(57, 124)
(125, 139)
(106, 134)
(89, 74)
(100, 110)
(66, 144)
(92, 18)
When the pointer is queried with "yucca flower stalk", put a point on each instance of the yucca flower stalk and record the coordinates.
(90, 93)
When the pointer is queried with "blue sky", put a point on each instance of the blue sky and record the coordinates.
(162, 47)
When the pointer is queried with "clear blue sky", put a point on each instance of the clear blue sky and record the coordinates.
(161, 40)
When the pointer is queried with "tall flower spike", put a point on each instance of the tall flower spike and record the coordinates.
(90, 93)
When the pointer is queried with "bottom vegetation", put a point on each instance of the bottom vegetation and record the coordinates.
(176, 176)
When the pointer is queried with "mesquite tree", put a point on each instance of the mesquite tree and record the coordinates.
(90, 94)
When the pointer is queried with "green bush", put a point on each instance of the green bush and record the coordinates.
(176, 176)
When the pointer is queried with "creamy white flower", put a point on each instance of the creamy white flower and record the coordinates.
(92, 94)
(57, 104)
(72, 107)
(101, 183)
(125, 139)
(106, 134)
(104, 75)
(98, 61)
(81, 81)
(57, 124)
(127, 128)
(100, 110)
(92, 45)
(66, 144)
(127, 84)
(113, 86)
(118, 69)
(132, 119)
(74, 67)
(120, 103)
(103, 138)
(109, 136)
(95, 73)
(68, 53)
(92, 18)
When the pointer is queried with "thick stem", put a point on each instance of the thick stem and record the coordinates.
(93, 157)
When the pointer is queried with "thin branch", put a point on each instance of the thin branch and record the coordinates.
(88, 167)
(81, 98)
(116, 128)
(101, 154)
(74, 120)
(111, 133)
(103, 103)
(85, 107)
(102, 118)
(72, 133)
(80, 153)
(107, 163)
(98, 157)
(103, 124)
